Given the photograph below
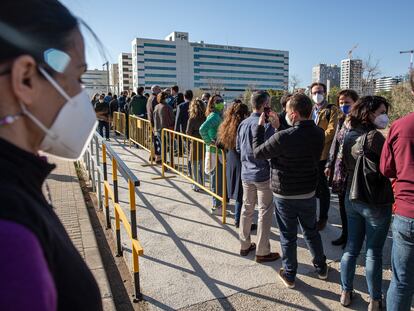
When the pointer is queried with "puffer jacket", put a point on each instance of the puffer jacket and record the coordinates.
(294, 155)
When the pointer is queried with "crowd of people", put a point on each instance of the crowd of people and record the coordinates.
(285, 162)
(281, 162)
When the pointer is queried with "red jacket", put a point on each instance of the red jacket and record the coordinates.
(397, 161)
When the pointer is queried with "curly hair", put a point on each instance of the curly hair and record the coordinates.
(196, 109)
(228, 129)
(361, 111)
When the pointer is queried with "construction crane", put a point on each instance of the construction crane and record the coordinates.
(351, 50)
(411, 57)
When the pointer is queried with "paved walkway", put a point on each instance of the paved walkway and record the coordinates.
(67, 198)
(191, 260)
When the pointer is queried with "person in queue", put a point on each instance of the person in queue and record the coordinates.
(208, 132)
(163, 118)
(138, 104)
(205, 98)
(397, 162)
(294, 155)
(43, 108)
(334, 165)
(197, 116)
(282, 115)
(365, 221)
(255, 175)
(226, 137)
(151, 103)
(102, 114)
(325, 116)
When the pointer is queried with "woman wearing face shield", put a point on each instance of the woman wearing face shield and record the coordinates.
(43, 108)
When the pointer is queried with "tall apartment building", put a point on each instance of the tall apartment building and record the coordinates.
(125, 72)
(114, 78)
(351, 74)
(95, 81)
(386, 83)
(330, 75)
(218, 68)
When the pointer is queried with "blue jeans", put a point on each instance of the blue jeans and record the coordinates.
(288, 213)
(196, 172)
(101, 126)
(219, 187)
(372, 223)
(401, 289)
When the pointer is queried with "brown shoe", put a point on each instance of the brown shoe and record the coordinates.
(321, 224)
(288, 283)
(245, 252)
(268, 258)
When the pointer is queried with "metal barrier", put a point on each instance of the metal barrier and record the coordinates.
(93, 166)
(182, 162)
(119, 123)
(140, 133)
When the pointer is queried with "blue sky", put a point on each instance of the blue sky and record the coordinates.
(312, 31)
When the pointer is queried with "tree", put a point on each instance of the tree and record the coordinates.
(333, 94)
(215, 86)
(370, 72)
(198, 93)
(275, 96)
(294, 82)
(402, 101)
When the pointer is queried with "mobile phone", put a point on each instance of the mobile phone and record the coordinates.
(267, 113)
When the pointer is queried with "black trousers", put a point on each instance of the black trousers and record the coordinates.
(323, 192)
(342, 212)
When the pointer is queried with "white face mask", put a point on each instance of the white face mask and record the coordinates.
(288, 120)
(381, 121)
(317, 98)
(73, 127)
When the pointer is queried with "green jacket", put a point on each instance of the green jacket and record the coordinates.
(208, 130)
(138, 105)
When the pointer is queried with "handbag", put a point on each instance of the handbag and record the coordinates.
(369, 186)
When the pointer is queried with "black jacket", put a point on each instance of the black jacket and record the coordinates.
(181, 118)
(294, 155)
(22, 201)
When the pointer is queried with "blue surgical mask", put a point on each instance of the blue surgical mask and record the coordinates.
(345, 108)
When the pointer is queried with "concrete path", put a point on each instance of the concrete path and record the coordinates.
(63, 189)
(191, 260)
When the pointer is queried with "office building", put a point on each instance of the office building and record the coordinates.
(125, 72)
(228, 70)
(386, 83)
(351, 74)
(95, 81)
(114, 78)
(330, 75)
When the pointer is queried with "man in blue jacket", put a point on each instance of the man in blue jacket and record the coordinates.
(255, 175)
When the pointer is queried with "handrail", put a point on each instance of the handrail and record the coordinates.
(93, 166)
(124, 169)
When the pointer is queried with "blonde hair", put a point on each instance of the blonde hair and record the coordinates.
(196, 109)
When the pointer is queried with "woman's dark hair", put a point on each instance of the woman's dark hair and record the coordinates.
(161, 97)
(348, 93)
(363, 108)
(45, 24)
(180, 98)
